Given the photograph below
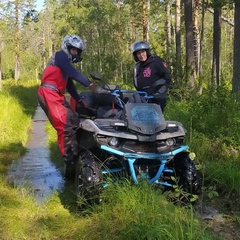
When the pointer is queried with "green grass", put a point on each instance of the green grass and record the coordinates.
(18, 103)
(127, 212)
(141, 212)
(212, 122)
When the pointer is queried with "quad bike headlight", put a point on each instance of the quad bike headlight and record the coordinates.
(170, 142)
(113, 141)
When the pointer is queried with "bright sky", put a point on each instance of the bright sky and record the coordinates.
(39, 4)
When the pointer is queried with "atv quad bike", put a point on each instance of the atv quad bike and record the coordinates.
(123, 133)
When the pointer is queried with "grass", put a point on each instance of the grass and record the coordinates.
(140, 212)
(15, 119)
(127, 212)
(212, 136)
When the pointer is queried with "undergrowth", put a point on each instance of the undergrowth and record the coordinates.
(128, 211)
(212, 121)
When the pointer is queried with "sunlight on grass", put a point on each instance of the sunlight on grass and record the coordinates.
(128, 211)
(18, 102)
(11, 129)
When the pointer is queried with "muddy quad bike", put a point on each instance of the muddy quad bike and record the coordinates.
(122, 134)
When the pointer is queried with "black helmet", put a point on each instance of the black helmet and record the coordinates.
(140, 45)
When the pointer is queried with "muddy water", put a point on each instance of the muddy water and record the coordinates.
(35, 169)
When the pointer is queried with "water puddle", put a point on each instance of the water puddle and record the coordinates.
(206, 212)
(35, 169)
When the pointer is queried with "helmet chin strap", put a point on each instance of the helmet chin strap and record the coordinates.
(76, 58)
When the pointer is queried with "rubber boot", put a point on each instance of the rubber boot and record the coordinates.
(70, 166)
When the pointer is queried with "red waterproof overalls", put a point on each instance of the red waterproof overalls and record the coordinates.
(63, 119)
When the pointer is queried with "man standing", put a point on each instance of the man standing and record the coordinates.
(58, 76)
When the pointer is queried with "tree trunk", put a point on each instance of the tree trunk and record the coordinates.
(144, 20)
(190, 63)
(168, 28)
(216, 46)
(17, 39)
(201, 47)
(236, 56)
(178, 69)
(196, 35)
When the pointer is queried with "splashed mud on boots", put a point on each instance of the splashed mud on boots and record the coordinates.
(35, 170)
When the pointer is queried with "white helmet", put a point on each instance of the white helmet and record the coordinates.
(75, 41)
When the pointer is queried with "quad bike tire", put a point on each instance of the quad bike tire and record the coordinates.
(186, 173)
(89, 180)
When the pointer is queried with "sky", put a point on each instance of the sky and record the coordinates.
(39, 4)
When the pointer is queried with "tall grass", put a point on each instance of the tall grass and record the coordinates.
(212, 121)
(141, 212)
(18, 102)
(127, 212)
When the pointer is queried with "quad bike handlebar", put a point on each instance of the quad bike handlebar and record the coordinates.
(115, 90)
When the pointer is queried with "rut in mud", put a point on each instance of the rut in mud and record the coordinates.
(35, 169)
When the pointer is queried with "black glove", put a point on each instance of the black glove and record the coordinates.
(80, 104)
(161, 92)
(92, 87)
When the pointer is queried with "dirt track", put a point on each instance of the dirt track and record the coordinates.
(35, 169)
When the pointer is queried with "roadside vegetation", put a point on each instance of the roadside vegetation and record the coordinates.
(128, 211)
(202, 99)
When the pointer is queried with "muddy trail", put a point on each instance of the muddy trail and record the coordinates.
(36, 171)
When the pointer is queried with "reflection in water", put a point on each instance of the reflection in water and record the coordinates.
(35, 169)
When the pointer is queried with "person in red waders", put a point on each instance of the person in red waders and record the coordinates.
(57, 77)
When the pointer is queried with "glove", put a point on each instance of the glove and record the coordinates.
(161, 93)
(92, 87)
(162, 89)
(81, 103)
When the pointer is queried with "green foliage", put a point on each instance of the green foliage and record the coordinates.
(128, 210)
(15, 118)
(212, 122)
(238, 220)
(218, 113)
(212, 192)
(213, 114)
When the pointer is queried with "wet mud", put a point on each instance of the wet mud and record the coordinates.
(35, 170)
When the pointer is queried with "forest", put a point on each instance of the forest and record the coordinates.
(199, 40)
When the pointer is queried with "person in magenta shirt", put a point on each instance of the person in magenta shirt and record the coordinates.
(150, 73)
